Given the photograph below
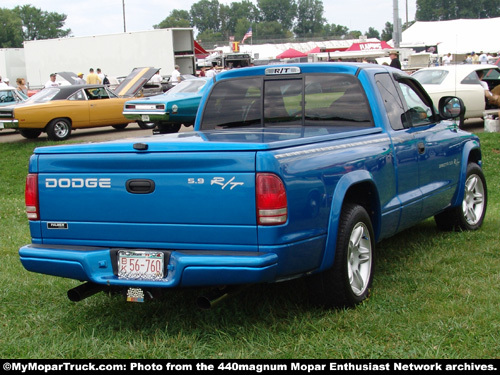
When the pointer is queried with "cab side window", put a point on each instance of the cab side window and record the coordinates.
(418, 112)
(392, 102)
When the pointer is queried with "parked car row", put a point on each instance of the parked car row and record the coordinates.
(57, 111)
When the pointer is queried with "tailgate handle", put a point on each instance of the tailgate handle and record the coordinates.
(141, 186)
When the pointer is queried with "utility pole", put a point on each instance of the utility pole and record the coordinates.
(396, 32)
(124, 25)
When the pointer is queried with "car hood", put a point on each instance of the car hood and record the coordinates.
(70, 77)
(135, 81)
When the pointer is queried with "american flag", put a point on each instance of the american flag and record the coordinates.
(247, 35)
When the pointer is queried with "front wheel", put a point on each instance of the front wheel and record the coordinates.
(120, 126)
(348, 282)
(59, 129)
(470, 214)
(30, 133)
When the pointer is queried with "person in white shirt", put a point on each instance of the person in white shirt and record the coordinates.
(447, 59)
(175, 78)
(80, 80)
(52, 81)
(210, 73)
(156, 79)
(492, 98)
(2, 83)
(100, 74)
(483, 59)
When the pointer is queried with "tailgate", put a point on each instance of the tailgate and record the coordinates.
(174, 200)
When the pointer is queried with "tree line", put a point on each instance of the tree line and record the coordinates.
(271, 20)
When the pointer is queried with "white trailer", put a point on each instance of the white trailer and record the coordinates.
(115, 54)
(12, 64)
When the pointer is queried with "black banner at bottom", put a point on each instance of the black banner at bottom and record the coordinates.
(230, 366)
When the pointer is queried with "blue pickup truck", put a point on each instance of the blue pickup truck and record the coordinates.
(291, 171)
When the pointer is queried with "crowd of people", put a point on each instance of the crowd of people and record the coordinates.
(20, 84)
(93, 78)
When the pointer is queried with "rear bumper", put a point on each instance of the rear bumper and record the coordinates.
(184, 268)
(147, 116)
(9, 124)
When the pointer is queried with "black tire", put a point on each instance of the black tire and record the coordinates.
(30, 133)
(348, 282)
(119, 126)
(59, 129)
(470, 214)
(168, 128)
(146, 125)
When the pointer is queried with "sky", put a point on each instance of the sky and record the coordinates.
(97, 17)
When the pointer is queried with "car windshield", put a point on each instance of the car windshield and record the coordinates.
(190, 85)
(430, 77)
(44, 95)
(8, 96)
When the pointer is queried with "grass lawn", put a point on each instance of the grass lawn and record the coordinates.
(435, 295)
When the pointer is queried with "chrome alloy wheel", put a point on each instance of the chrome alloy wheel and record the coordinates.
(473, 203)
(61, 129)
(359, 258)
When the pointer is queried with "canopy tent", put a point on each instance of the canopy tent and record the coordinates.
(199, 51)
(314, 50)
(369, 46)
(290, 54)
(456, 36)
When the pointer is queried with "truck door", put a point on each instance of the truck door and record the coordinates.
(406, 153)
(439, 154)
(427, 163)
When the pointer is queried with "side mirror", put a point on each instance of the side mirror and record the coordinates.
(451, 107)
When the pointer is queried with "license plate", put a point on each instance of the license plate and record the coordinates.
(141, 265)
(145, 118)
(1, 125)
(145, 106)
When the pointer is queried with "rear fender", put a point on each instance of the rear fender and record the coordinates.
(345, 185)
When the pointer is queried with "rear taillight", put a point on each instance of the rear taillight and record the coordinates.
(272, 207)
(31, 196)
(129, 106)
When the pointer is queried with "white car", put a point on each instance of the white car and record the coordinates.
(462, 81)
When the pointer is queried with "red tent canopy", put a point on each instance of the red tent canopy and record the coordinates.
(369, 46)
(290, 53)
(199, 51)
(314, 50)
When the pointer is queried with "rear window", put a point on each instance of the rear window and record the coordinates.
(430, 77)
(324, 100)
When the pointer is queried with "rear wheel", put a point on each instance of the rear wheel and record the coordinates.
(168, 128)
(348, 282)
(59, 129)
(146, 125)
(30, 133)
(470, 214)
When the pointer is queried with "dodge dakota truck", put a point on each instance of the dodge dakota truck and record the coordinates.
(291, 171)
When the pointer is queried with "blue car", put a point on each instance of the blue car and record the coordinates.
(168, 111)
(10, 95)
